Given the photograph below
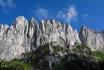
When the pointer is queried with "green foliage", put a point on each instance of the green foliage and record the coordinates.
(45, 49)
(56, 49)
(75, 62)
(14, 65)
(81, 59)
(59, 67)
(99, 55)
(37, 59)
(83, 50)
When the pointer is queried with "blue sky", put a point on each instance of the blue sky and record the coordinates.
(76, 12)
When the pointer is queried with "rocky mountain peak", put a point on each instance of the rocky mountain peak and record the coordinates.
(21, 20)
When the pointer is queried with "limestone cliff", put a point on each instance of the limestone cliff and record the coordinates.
(23, 36)
(94, 39)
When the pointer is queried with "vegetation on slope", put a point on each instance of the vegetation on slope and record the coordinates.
(38, 59)
(80, 58)
(99, 55)
(82, 50)
(14, 65)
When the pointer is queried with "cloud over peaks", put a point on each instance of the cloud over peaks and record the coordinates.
(68, 14)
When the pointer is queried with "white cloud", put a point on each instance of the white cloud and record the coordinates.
(68, 14)
(41, 13)
(71, 12)
(5, 5)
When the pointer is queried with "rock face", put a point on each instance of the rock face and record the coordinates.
(14, 40)
(94, 39)
(24, 36)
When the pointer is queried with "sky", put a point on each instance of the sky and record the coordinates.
(77, 13)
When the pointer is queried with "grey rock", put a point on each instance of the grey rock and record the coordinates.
(94, 39)
(24, 36)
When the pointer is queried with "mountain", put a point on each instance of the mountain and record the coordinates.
(48, 44)
(23, 36)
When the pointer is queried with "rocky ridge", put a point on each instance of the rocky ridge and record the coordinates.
(25, 36)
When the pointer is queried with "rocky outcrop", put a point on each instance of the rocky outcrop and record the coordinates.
(94, 39)
(24, 36)
(14, 39)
